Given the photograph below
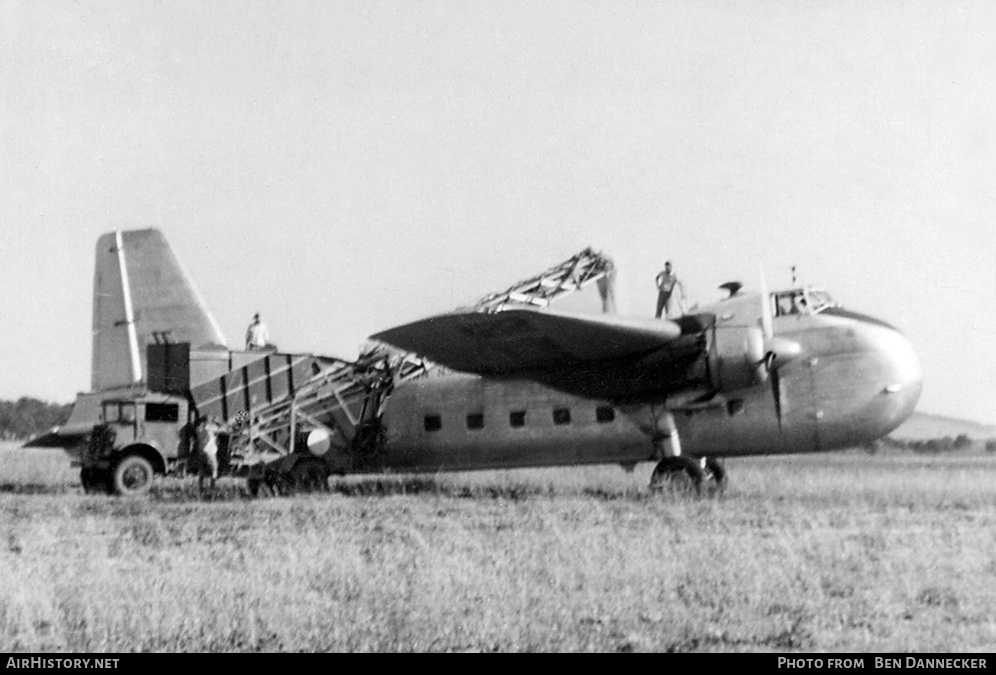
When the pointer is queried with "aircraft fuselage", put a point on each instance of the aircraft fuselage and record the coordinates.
(854, 380)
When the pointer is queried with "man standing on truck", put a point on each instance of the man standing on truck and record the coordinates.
(257, 337)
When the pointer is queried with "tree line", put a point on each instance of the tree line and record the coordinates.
(26, 417)
(928, 446)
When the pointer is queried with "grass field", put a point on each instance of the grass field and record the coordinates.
(852, 552)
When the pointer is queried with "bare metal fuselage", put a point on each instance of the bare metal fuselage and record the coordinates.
(855, 380)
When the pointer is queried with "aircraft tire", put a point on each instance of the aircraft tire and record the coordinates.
(309, 475)
(132, 476)
(715, 474)
(680, 474)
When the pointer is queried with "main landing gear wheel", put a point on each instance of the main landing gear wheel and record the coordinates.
(310, 475)
(715, 475)
(133, 476)
(271, 483)
(679, 474)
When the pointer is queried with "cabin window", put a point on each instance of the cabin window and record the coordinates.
(432, 422)
(561, 416)
(605, 414)
(162, 412)
(475, 421)
(517, 418)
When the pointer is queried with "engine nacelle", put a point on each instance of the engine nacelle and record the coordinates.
(736, 358)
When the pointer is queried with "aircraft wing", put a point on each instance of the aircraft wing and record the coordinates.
(518, 340)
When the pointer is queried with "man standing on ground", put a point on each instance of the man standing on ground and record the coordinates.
(667, 281)
(207, 451)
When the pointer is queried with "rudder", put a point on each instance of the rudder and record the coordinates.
(142, 295)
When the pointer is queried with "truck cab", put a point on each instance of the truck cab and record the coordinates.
(137, 437)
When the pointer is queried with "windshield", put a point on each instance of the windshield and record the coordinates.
(801, 301)
(820, 300)
(119, 412)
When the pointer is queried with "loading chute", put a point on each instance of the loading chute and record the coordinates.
(267, 405)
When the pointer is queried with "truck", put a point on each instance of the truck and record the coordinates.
(139, 436)
(148, 430)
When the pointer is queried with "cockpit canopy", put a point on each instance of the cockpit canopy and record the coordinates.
(801, 301)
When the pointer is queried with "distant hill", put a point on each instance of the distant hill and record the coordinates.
(928, 425)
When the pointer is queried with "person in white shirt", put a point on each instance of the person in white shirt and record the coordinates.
(667, 281)
(257, 337)
(207, 452)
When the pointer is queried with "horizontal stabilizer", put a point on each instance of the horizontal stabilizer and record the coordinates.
(522, 339)
(55, 439)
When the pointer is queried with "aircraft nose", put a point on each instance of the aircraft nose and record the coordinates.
(866, 385)
(902, 375)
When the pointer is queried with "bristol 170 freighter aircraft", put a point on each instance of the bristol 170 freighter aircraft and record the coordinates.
(788, 372)
(507, 383)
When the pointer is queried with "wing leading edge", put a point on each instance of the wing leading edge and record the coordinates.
(519, 340)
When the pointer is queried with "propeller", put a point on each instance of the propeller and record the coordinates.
(767, 327)
(777, 351)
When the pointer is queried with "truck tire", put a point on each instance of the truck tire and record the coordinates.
(132, 476)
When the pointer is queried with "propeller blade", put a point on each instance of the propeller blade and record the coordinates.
(776, 392)
(766, 322)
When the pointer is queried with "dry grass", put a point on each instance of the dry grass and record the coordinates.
(831, 552)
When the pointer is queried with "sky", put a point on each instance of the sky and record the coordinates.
(344, 167)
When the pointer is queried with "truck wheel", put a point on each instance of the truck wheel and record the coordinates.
(133, 476)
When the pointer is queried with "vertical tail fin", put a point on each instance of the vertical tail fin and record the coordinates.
(142, 295)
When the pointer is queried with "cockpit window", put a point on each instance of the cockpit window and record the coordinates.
(801, 301)
(820, 300)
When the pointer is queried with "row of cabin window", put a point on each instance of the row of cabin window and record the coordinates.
(517, 418)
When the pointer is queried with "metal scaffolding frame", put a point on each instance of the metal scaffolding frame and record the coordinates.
(346, 399)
